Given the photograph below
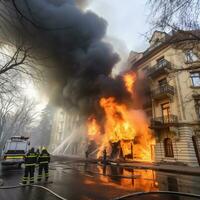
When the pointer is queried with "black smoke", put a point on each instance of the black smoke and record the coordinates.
(69, 43)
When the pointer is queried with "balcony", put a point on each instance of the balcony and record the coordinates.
(164, 91)
(164, 121)
(162, 67)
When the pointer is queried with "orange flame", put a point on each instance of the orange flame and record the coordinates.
(129, 80)
(93, 128)
(125, 127)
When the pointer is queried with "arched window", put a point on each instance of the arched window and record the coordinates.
(168, 147)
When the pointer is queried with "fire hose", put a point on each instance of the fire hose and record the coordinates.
(157, 192)
(117, 198)
(36, 186)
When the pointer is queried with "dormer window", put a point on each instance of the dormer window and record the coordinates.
(160, 60)
(190, 56)
(157, 38)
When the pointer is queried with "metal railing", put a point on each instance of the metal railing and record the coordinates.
(168, 119)
(161, 65)
(161, 90)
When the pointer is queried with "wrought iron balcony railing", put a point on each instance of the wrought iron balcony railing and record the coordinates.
(163, 66)
(164, 120)
(162, 91)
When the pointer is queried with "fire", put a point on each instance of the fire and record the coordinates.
(126, 131)
(118, 127)
(143, 180)
(93, 128)
(129, 80)
(127, 127)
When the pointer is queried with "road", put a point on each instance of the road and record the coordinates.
(75, 180)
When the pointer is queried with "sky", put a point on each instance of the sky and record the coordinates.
(127, 24)
(127, 21)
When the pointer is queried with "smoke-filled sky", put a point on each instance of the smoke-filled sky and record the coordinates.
(127, 20)
(73, 47)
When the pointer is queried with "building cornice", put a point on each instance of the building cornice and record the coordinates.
(178, 37)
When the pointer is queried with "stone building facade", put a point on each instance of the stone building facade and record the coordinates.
(171, 66)
(58, 129)
(67, 134)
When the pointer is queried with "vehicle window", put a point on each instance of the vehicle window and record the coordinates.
(16, 146)
(21, 146)
(12, 146)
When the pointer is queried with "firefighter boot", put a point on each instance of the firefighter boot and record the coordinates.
(24, 180)
(31, 180)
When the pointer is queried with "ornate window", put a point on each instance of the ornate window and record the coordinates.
(190, 56)
(165, 112)
(195, 76)
(168, 146)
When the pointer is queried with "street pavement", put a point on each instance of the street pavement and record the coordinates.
(76, 180)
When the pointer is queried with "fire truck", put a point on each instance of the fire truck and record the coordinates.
(14, 150)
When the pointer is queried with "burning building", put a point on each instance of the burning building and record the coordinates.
(171, 100)
(68, 46)
(125, 133)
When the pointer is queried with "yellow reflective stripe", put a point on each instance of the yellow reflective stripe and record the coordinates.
(43, 162)
(31, 156)
(14, 157)
(44, 156)
(29, 164)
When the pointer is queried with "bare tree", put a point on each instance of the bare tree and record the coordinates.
(16, 62)
(18, 117)
(176, 14)
(183, 18)
(42, 132)
(6, 105)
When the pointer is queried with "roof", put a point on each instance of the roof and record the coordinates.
(155, 34)
(171, 38)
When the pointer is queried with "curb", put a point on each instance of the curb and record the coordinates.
(185, 172)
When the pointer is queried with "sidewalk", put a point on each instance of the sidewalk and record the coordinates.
(161, 167)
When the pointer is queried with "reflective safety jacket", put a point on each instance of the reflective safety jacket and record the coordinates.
(30, 159)
(44, 158)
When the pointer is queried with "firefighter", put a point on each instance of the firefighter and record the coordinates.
(86, 154)
(38, 152)
(43, 161)
(104, 157)
(30, 160)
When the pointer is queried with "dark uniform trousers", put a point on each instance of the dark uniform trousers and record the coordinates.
(43, 161)
(30, 161)
(29, 171)
(43, 166)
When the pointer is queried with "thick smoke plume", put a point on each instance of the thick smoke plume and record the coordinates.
(69, 43)
(83, 3)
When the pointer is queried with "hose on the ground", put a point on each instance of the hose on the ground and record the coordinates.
(157, 192)
(37, 186)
